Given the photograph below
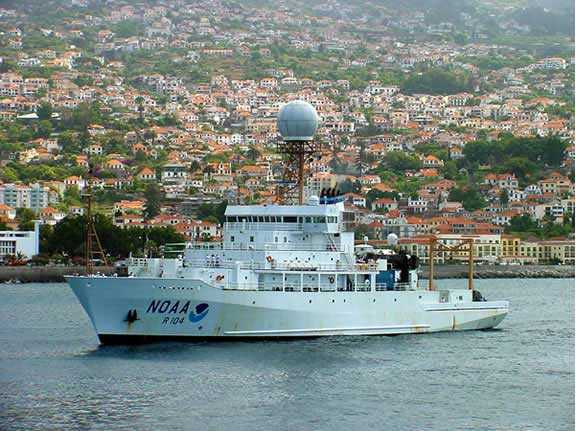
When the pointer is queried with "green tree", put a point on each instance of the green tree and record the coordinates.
(44, 111)
(471, 199)
(253, 153)
(154, 197)
(44, 129)
(522, 223)
(400, 162)
(205, 211)
(436, 81)
(25, 218)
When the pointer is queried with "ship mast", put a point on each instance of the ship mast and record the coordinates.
(297, 123)
(92, 245)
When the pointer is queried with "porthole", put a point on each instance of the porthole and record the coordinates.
(344, 300)
(395, 300)
(253, 302)
(419, 296)
(310, 302)
(374, 300)
(332, 301)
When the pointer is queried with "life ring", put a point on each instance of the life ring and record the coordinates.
(331, 279)
(269, 258)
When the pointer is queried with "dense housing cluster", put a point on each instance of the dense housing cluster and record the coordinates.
(448, 122)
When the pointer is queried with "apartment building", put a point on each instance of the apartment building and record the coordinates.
(32, 196)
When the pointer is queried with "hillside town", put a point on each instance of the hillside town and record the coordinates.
(455, 128)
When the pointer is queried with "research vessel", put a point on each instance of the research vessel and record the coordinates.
(280, 271)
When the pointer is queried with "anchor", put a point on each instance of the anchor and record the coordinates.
(132, 316)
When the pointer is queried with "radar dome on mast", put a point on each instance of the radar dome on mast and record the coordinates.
(297, 121)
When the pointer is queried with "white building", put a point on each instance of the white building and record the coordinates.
(34, 196)
(26, 243)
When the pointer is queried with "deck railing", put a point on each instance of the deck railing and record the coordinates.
(269, 246)
(396, 286)
(295, 287)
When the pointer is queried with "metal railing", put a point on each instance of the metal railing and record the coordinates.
(269, 246)
(396, 286)
(294, 287)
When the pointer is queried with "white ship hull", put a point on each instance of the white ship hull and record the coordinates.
(124, 310)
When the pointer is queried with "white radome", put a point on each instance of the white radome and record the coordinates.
(297, 121)
(392, 239)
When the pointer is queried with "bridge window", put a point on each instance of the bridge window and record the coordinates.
(290, 219)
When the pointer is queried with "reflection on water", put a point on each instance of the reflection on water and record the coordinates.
(53, 374)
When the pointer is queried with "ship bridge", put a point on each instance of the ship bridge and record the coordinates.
(289, 227)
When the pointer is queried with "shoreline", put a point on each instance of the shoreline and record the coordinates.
(499, 271)
(55, 274)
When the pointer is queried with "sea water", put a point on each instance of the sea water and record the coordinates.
(55, 376)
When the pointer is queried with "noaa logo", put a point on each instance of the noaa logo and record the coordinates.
(179, 310)
(199, 313)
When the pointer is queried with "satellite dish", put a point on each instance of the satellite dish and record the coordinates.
(392, 239)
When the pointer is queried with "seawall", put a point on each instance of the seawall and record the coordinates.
(501, 271)
(55, 274)
(43, 274)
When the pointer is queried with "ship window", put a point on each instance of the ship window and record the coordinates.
(290, 219)
(276, 239)
(285, 239)
(267, 219)
(308, 219)
(232, 238)
(260, 219)
(251, 239)
(242, 218)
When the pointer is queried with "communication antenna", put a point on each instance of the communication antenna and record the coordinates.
(297, 123)
(92, 245)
